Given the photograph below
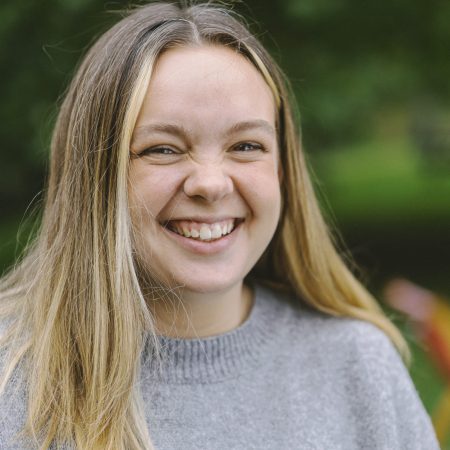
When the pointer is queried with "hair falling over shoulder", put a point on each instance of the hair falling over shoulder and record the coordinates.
(77, 317)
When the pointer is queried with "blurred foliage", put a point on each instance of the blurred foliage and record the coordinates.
(349, 62)
(371, 80)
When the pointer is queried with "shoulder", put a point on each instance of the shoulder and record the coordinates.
(353, 347)
(332, 345)
(306, 325)
(358, 367)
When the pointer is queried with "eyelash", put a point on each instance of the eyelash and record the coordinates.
(159, 151)
(248, 144)
(163, 150)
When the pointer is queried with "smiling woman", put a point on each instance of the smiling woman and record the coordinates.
(184, 291)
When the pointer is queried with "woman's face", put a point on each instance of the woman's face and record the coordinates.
(203, 183)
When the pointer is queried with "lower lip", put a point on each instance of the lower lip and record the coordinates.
(205, 247)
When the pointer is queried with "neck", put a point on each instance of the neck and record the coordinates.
(197, 315)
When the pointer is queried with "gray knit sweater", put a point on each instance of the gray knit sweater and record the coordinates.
(288, 378)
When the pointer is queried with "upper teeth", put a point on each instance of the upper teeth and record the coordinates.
(202, 231)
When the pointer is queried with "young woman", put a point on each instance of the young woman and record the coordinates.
(183, 291)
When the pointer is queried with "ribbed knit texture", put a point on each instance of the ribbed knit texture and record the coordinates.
(225, 356)
(287, 378)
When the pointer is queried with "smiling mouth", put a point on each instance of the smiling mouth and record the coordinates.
(200, 231)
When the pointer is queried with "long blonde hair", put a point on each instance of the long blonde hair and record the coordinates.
(76, 314)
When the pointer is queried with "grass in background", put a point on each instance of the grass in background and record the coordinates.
(383, 180)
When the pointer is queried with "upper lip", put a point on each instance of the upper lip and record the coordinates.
(202, 219)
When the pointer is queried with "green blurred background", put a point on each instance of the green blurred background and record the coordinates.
(372, 83)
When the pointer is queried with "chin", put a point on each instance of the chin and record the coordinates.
(207, 285)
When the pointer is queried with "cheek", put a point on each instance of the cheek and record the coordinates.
(261, 189)
(149, 190)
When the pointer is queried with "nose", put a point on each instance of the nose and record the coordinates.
(208, 181)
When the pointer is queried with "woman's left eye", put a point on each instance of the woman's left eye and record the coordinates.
(158, 151)
(247, 147)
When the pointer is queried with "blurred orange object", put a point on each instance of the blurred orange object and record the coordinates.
(430, 316)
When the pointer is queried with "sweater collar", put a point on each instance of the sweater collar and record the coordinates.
(215, 358)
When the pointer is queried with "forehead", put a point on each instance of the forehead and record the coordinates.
(205, 83)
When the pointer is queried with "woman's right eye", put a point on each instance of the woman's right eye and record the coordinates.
(158, 154)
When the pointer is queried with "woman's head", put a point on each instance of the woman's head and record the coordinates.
(203, 179)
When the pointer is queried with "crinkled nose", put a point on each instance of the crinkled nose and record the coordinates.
(208, 181)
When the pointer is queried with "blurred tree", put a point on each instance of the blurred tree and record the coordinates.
(349, 61)
(41, 42)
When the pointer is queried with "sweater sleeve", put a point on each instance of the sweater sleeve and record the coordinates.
(406, 423)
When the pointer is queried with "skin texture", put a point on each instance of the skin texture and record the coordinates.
(204, 148)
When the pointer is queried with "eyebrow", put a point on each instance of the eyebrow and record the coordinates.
(252, 124)
(180, 131)
(167, 128)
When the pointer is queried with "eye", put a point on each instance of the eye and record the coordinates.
(159, 154)
(248, 147)
(161, 150)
